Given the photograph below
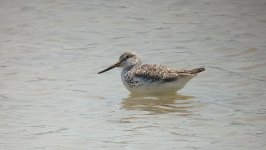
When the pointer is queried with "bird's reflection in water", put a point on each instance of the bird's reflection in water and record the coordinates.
(159, 104)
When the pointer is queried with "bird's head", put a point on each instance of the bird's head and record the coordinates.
(127, 59)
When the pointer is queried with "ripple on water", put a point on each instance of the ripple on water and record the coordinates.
(160, 104)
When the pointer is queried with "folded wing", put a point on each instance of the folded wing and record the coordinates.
(156, 72)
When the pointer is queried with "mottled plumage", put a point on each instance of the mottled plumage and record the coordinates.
(154, 72)
(151, 78)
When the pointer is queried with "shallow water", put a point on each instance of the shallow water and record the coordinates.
(51, 96)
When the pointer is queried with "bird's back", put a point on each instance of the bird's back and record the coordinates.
(157, 72)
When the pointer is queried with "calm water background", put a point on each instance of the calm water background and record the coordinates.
(51, 96)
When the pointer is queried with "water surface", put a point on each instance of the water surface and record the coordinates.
(51, 96)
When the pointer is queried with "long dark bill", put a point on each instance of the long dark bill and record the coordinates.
(111, 67)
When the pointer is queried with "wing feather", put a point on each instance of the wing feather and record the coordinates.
(155, 72)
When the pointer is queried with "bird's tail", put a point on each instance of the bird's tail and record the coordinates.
(196, 71)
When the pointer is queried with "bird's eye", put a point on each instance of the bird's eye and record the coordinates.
(127, 56)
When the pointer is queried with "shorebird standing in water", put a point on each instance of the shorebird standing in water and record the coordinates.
(141, 78)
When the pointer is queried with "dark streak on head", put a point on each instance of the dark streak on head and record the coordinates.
(126, 55)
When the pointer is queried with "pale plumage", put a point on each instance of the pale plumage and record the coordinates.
(151, 78)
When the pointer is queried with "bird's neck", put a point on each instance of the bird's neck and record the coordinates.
(129, 67)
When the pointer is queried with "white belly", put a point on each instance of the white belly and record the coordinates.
(144, 86)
